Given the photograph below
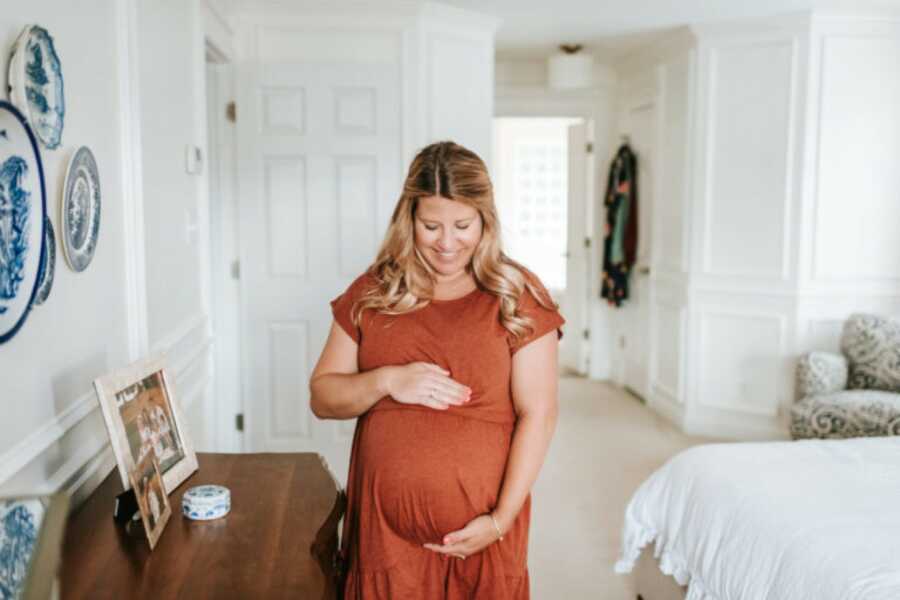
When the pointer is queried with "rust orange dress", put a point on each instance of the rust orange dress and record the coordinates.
(417, 473)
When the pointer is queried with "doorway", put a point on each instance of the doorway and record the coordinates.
(542, 174)
(223, 253)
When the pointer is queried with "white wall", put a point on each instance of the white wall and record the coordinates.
(775, 208)
(80, 332)
(52, 434)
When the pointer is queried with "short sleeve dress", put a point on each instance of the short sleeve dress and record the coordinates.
(417, 473)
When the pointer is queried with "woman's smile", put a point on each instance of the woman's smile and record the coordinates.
(447, 232)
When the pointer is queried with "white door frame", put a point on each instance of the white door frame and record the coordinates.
(586, 106)
(641, 100)
(223, 251)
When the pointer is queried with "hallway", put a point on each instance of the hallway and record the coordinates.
(606, 444)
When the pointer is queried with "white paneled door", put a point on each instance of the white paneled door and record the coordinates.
(319, 176)
(642, 121)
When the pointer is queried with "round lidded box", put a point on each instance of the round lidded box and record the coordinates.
(206, 502)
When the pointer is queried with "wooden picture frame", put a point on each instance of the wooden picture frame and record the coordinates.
(152, 499)
(142, 414)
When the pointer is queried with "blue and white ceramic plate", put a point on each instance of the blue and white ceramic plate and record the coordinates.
(23, 208)
(206, 502)
(48, 264)
(80, 219)
(36, 84)
(20, 523)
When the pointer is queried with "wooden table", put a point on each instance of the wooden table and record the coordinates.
(278, 541)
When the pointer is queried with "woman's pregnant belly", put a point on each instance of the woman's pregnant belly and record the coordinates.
(429, 472)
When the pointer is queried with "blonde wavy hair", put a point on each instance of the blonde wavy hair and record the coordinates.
(405, 280)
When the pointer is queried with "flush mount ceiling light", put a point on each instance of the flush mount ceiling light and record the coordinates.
(569, 69)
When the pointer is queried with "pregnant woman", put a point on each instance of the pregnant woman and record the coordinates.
(446, 350)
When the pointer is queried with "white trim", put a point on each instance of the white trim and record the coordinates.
(179, 333)
(22, 454)
(782, 274)
(131, 158)
(663, 402)
(707, 311)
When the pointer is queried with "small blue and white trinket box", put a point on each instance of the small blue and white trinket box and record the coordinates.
(206, 502)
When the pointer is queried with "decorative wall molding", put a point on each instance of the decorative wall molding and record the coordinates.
(185, 354)
(674, 394)
(20, 455)
(820, 263)
(667, 405)
(710, 150)
(131, 163)
(776, 354)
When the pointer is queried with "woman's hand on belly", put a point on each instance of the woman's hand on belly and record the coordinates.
(477, 535)
(426, 384)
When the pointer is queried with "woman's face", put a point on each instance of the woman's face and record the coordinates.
(447, 233)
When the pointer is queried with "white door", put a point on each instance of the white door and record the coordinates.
(573, 304)
(637, 309)
(319, 176)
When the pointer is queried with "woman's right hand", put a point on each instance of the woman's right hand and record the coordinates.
(426, 384)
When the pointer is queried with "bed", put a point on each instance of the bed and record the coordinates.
(816, 519)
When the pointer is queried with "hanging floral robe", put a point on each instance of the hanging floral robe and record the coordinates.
(621, 232)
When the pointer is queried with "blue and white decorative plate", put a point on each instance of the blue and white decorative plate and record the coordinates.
(20, 522)
(80, 217)
(206, 502)
(48, 264)
(36, 84)
(23, 208)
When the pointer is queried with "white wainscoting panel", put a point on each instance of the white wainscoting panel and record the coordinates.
(747, 200)
(670, 206)
(859, 143)
(669, 350)
(740, 361)
(285, 198)
(356, 185)
(289, 363)
(283, 110)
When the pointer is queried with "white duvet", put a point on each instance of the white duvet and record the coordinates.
(774, 521)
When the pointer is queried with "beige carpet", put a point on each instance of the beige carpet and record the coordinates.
(606, 444)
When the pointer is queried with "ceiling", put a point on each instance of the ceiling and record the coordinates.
(534, 28)
(607, 28)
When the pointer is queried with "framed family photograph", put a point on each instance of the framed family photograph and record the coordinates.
(143, 417)
(152, 500)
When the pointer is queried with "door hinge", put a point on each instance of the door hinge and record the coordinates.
(587, 334)
(235, 269)
(587, 242)
(589, 147)
(239, 421)
(231, 111)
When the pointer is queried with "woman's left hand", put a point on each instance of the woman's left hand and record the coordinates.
(477, 535)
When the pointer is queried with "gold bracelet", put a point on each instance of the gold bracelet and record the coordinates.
(497, 527)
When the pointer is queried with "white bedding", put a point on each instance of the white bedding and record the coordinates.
(812, 519)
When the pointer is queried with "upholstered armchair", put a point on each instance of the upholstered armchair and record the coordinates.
(855, 393)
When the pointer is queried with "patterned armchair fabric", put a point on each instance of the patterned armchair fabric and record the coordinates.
(872, 345)
(869, 367)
